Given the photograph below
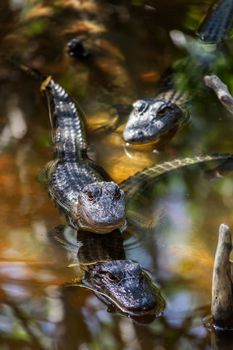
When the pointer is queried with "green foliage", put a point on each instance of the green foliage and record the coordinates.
(36, 27)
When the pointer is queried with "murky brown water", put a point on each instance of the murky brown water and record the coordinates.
(131, 48)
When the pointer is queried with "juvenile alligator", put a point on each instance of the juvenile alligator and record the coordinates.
(102, 267)
(151, 120)
(85, 193)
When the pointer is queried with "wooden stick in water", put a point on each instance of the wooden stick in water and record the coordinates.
(222, 296)
(221, 90)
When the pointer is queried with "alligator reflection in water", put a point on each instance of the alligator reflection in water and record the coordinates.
(101, 266)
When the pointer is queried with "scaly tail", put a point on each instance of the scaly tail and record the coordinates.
(217, 22)
(68, 127)
(135, 184)
(69, 134)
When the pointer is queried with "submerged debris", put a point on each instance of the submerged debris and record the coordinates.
(76, 48)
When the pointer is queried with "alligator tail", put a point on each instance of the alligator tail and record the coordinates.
(68, 126)
(136, 183)
(215, 26)
(69, 134)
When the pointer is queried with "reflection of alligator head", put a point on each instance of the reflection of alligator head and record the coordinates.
(120, 283)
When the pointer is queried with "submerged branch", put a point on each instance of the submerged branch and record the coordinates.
(221, 90)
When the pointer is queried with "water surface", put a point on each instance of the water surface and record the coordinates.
(131, 48)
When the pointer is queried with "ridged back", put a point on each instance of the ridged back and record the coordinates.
(69, 135)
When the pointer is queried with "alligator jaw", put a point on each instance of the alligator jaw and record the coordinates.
(88, 226)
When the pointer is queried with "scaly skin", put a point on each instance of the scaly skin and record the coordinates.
(136, 184)
(152, 119)
(120, 283)
(88, 197)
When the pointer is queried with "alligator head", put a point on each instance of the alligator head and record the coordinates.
(101, 207)
(150, 120)
(124, 284)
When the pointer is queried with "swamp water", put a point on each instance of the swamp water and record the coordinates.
(130, 47)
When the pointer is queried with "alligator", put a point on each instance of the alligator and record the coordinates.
(100, 265)
(87, 195)
(151, 120)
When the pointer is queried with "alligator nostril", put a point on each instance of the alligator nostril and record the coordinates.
(140, 134)
(140, 106)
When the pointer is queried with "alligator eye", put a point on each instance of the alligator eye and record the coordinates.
(161, 112)
(117, 194)
(89, 195)
(111, 277)
(97, 192)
